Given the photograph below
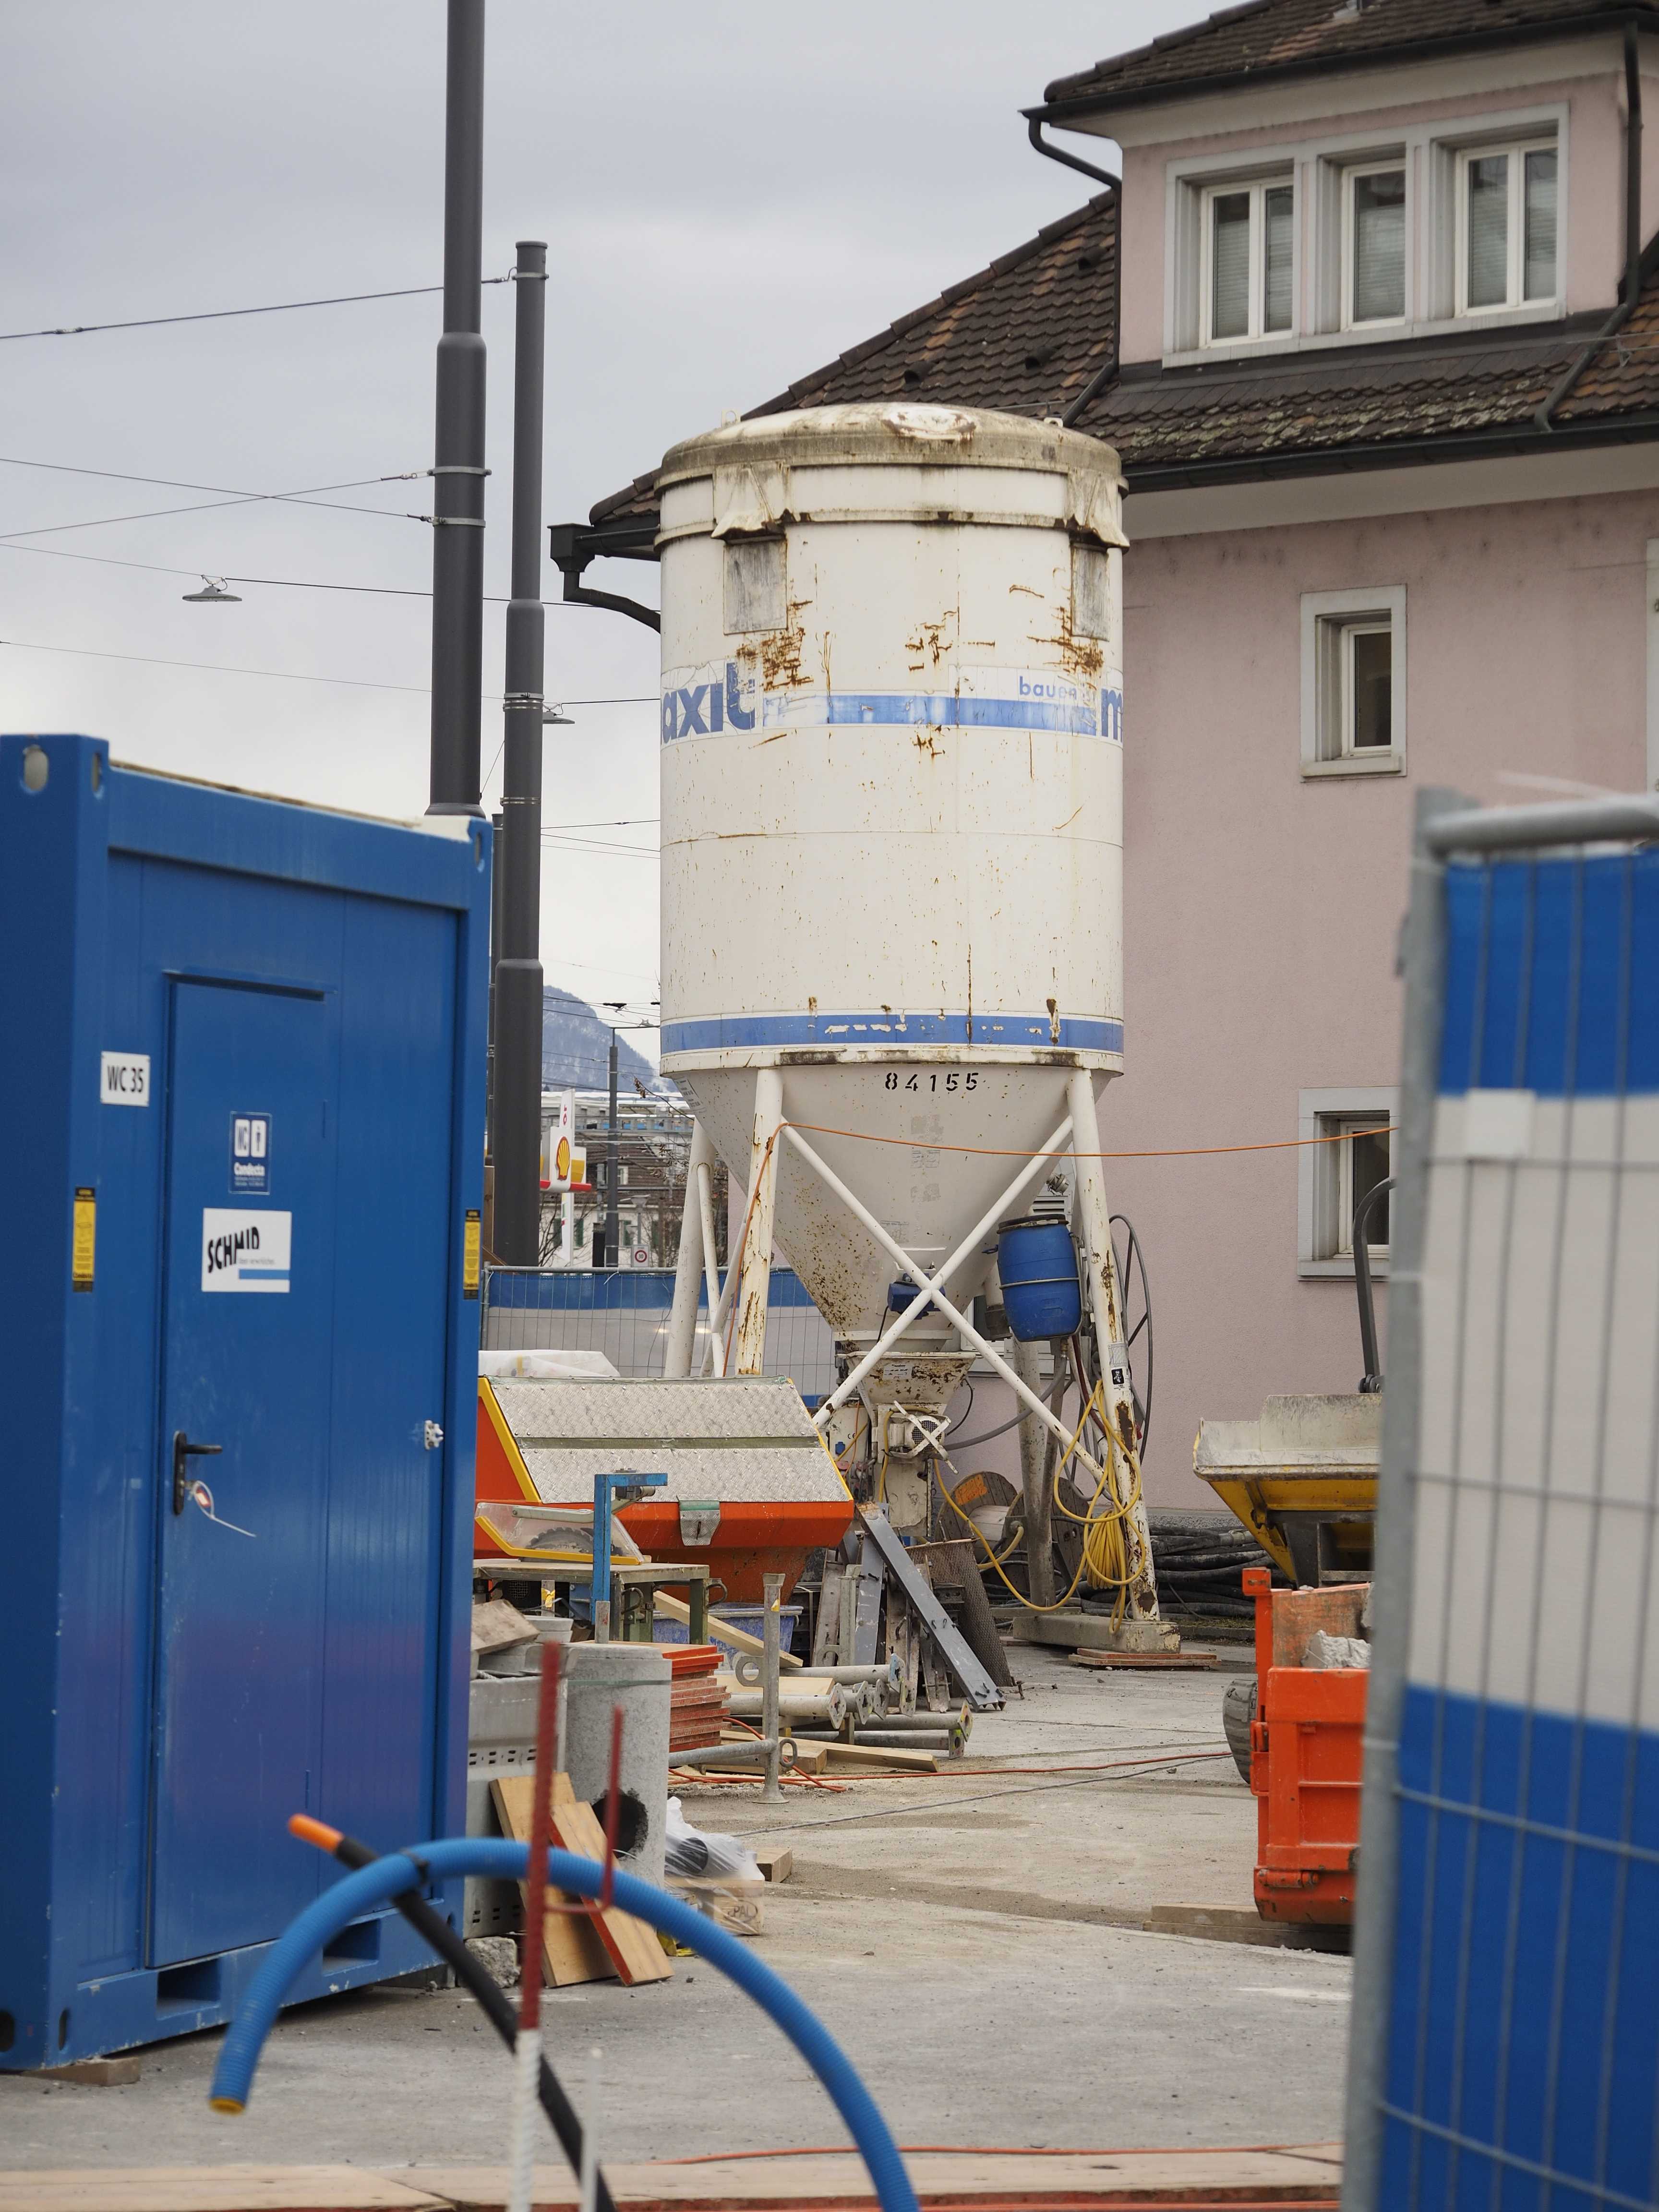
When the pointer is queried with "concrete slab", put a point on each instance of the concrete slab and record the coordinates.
(975, 1941)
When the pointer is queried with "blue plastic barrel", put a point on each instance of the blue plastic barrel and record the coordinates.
(1038, 1267)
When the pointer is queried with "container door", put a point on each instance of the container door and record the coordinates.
(242, 1462)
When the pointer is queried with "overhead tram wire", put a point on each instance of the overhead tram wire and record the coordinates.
(277, 583)
(282, 675)
(242, 499)
(231, 314)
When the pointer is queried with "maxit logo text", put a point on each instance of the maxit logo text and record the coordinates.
(709, 702)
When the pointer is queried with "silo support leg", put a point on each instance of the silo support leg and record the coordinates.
(687, 1268)
(754, 1293)
(1105, 1305)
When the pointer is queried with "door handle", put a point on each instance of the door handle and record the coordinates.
(183, 1452)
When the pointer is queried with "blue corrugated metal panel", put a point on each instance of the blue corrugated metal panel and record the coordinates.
(597, 1289)
(176, 1687)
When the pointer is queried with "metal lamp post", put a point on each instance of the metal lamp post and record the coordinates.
(458, 469)
(518, 995)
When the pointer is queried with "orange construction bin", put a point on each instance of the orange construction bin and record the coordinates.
(1305, 1754)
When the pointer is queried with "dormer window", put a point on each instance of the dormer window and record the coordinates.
(1506, 224)
(1374, 243)
(1250, 261)
(1364, 236)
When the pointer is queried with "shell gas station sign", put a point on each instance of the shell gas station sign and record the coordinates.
(564, 1155)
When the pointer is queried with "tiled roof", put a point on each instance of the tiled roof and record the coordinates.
(1031, 333)
(1026, 335)
(1266, 38)
(1351, 405)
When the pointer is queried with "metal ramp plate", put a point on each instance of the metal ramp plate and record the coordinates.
(981, 1692)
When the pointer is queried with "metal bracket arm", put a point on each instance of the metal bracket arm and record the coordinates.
(570, 556)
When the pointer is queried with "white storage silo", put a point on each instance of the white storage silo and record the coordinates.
(891, 829)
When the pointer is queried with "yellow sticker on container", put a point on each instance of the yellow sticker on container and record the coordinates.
(471, 1252)
(83, 1239)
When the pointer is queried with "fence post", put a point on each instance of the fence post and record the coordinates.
(1423, 957)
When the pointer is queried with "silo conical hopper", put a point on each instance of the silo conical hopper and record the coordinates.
(893, 836)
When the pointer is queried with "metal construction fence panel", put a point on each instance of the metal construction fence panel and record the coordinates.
(624, 1313)
(1505, 2048)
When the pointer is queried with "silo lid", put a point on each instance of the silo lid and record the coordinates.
(898, 431)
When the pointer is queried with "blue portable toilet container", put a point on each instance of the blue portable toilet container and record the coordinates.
(241, 1143)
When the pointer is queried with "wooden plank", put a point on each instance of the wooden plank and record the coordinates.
(956, 1567)
(1149, 1661)
(734, 1905)
(878, 1759)
(497, 1625)
(571, 1949)
(721, 1632)
(777, 1864)
(1309, 2177)
(213, 2188)
(633, 1947)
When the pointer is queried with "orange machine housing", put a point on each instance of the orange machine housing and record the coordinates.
(769, 1537)
(1305, 1755)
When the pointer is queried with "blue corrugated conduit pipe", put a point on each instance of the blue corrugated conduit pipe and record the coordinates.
(501, 1860)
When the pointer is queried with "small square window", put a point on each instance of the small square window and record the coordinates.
(1250, 262)
(1506, 226)
(1353, 682)
(1374, 244)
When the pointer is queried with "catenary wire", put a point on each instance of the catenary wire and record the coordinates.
(280, 583)
(302, 498)
(284, 675)
(229, 315)
(188, 483)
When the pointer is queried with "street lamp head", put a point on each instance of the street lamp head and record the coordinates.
(556, 716)
(213, 594)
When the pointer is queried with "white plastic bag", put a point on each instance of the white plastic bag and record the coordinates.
(695, 1856)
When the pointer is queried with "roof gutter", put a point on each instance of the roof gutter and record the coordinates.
(1070, 113)
(1108, 370)
(1509, 443)
(1627, 308)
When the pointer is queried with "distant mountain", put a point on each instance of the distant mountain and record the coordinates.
(576, 1048)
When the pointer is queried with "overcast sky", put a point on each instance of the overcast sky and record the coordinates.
(731, 194)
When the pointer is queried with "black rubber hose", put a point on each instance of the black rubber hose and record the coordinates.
(433, 1929)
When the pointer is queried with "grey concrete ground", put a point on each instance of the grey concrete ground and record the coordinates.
(977, 1942)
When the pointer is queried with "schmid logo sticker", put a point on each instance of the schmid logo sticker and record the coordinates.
(244, 1251)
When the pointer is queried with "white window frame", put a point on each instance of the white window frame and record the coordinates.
(1256, 188)
(1329, 620)
(1377, 166)
(1317, 167)
(1514, 302)
(1325, 1175)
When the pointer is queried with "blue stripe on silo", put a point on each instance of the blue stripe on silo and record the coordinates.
(740, 1032)
(1552, 976)
(1557, 1926)
(945, 710)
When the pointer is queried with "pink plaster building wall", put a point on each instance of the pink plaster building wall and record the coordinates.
(1261, 910)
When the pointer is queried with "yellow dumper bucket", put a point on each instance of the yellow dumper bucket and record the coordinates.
(1302, 1478)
